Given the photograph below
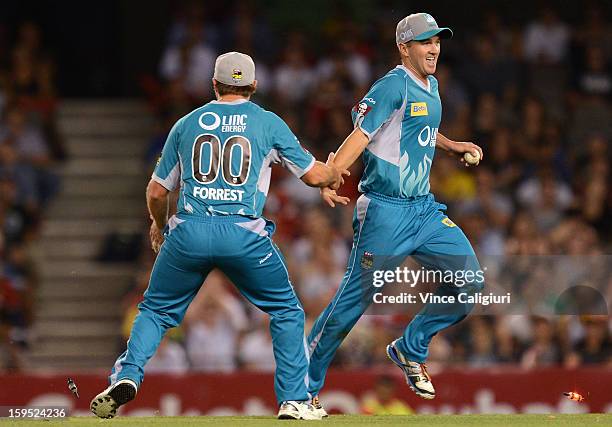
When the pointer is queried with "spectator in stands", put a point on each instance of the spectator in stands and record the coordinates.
(29, 144)
(32, 87)
(546, 39)
(348, 64)
(543, 350)
(191, 62)
(596, 345)
(213, 324)
(595, 79)
(170, 358)
(546, 198)
(482, 351)
(255, 351)
(294, 77)
(384, 402)
(22, 174)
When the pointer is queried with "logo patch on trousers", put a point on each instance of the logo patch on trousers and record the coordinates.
(448, 222)
(367, 260)
(264, 259)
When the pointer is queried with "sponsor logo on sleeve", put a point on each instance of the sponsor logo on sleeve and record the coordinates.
(367, 260)
(418, 109)
(362, 108)
(447, 221)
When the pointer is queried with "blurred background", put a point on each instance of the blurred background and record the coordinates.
(89, 91)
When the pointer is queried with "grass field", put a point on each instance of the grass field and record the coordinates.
(335, 420)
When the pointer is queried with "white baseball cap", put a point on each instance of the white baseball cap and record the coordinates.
(234, 69)
(420, 26)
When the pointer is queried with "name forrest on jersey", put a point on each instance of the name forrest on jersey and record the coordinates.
(218, 194)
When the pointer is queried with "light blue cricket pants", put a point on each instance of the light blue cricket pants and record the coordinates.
(243, 249)
(386, 231)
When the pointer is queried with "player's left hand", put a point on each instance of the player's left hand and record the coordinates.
(338, 173)
(459, 148)
(156, 236)
(331, 198)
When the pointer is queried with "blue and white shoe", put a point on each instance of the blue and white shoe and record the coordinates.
(416, 374)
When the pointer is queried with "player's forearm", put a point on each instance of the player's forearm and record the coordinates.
(159, 211)
(157, 202)
(351, 149)
(443, 142)
(172, 202)
(320, 175)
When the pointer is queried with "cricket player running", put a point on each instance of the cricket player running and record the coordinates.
(396, 129)
(220, 155)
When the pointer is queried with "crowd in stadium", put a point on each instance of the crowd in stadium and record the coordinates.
(29, 147)
(537, 98)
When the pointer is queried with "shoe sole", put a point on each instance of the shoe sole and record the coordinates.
(288, 417)
(106, 405)
(103, 406)
(392, 356)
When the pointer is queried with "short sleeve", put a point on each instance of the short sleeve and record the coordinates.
(291, 154)
(168, 170)
(385, 97)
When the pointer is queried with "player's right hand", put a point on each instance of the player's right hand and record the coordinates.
(338, 173)
(156, 236)
(331, 198)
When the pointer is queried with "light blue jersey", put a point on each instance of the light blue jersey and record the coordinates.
(401, 116)
(221, 156)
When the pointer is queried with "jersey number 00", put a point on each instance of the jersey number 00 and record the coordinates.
(216, 154)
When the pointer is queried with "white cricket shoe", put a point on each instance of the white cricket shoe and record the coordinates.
(318, 406)
(294, 410)
(416, 374)
(105, 404)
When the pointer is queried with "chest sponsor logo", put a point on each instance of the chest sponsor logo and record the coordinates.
(418, 109)
(428, 136)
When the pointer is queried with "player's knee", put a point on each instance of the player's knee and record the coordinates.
(165, 318)
(291, 312)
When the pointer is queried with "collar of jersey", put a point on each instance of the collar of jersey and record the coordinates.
(415, 78)
(238, 101)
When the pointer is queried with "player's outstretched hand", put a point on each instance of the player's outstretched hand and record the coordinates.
(157, 238)
(331, 198)
(338, 173)
(460, 148)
